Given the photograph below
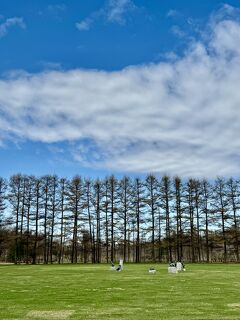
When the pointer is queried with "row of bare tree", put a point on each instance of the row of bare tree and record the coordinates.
(51, 219)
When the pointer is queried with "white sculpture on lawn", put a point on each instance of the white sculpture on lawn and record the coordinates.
(172, 269)
(121, 263)
(179, 266)
(152, 270)
(120, 266)
(175, 267)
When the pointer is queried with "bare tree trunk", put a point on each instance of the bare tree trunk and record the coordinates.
(233, 192)
(166, 194)
(151, 184)
(46, 191)
(54, 181)
(62, 210)
(112, 182)
(23, 207)
(37, 190)
(98, 252)
(190, 188)
(74, 196)
(29, 200)
(221, 206)
(90, 224)
(138, 196)
(197, 198)
(159, 237)
(125, 220)
(205, 188)
(106, 219)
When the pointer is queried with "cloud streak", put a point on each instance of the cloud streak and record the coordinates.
(85, 24)
(10, 23)
(114, 11)
(178, 117)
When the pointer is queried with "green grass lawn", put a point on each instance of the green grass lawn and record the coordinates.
(94, 292)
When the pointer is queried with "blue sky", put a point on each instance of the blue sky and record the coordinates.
(119, 86)
(51, 37)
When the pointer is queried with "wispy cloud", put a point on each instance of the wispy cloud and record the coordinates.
(178, 117)
(177, 31)
(50, 65)
(84, 24)
(56, 7)
(114, 11)
(54, 10)
(184, 26)
(173, 13)
(10, 23)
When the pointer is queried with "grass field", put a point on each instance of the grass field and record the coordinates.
(94, 292)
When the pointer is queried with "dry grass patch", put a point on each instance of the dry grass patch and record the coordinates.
(234, 305)
(60, 314)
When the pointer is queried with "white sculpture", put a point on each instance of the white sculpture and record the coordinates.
(152, 270)
(179, 266)
(172, 270)
(121, 263)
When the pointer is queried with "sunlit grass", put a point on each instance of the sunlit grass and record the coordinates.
(95, 292)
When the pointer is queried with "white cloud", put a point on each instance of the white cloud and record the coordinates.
(177, 31)
(49, 65)
(114, 11)
(179, 117)
(173, 13)
(56, 8)
(9, 23)
(84, 24)
(226, 35)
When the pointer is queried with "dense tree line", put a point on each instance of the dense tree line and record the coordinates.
(51, 219)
